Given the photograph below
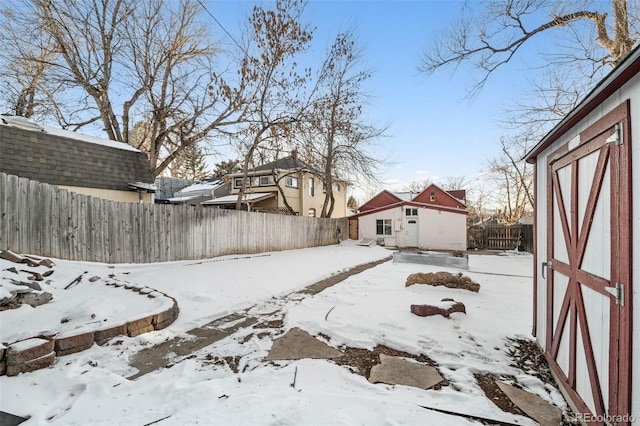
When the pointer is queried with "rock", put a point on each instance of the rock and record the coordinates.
(397, 371)
(102, 335)
(430, 310)
(72, 343)
(35, 299)
(28, 350)
(32, 365)
(94, 279)
(31, 285)
(140, 326)
(443, 279)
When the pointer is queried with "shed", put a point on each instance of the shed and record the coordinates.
(80, 163)
(585, 230)
(433, 219)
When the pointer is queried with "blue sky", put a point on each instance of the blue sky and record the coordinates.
(435, 131)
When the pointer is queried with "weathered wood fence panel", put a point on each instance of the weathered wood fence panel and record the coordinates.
(45, 220)
(501, 237)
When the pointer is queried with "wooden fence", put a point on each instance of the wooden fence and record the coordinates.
(42, 219)
(501, 237)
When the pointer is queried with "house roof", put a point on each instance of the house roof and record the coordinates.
(291, 162)
(385, 200)
(200, 191)
(167, 186)
(626, 69)
(233, 198)
(60, 157)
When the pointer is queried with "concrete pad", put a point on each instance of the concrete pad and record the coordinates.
(298, 344)
(397, 371)
(533, 406)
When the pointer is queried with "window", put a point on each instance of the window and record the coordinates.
(312, 212)
(291, 182)
(383, 227)
(311, 187)
(433, 196)
(267, 180)
(338, 187)
(411, 212)
(251, 181)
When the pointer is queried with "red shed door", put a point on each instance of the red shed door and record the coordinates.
(588, 278)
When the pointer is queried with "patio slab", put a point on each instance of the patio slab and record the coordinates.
(533, 406)
(298, 344)
(398, 371)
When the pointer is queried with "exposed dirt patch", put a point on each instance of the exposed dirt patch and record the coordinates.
(528, 357)
(443, 279)
(233, 362)
(270, 324)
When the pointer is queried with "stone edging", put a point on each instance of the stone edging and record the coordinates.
(40, 351)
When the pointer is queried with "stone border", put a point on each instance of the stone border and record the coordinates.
(39, 352)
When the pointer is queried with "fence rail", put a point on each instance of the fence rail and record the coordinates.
(501, 237)
(42, 219)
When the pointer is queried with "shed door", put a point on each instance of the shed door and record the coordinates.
(588, 320)
(412, 232)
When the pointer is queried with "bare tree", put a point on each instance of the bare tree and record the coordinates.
(452, 183)
(597, 35)
(514, 179)
(417, 186)
(270, 81)
(338, 133)
(24, 62)
(125, 62)
(492, 37)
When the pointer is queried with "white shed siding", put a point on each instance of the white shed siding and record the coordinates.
(367, 227)
(438, 230)
(441, 230)
(595, 259)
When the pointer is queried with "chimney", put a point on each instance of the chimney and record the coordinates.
(294, 154)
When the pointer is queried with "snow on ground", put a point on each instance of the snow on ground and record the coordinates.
(363, 311)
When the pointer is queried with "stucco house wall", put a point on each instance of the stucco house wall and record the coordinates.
(444, 230)
(367, 227)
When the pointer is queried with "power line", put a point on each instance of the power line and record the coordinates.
(220, 25)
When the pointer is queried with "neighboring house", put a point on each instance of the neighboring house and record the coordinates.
(167, 186)
(302, 185)
(80, 163)
(587, 224)
(201, 192)
(433, 219)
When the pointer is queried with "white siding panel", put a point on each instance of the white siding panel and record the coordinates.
(560, 284)
(583, 384)
(563, 350)
(597, 308)
(597, 257)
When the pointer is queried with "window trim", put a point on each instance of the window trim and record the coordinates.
(291, 182)
(384, 225)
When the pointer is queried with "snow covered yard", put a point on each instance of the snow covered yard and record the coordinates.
(230, 383)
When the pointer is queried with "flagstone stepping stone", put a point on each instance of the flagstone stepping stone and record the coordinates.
(532, 405)
(398, 371)
(298, 344)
